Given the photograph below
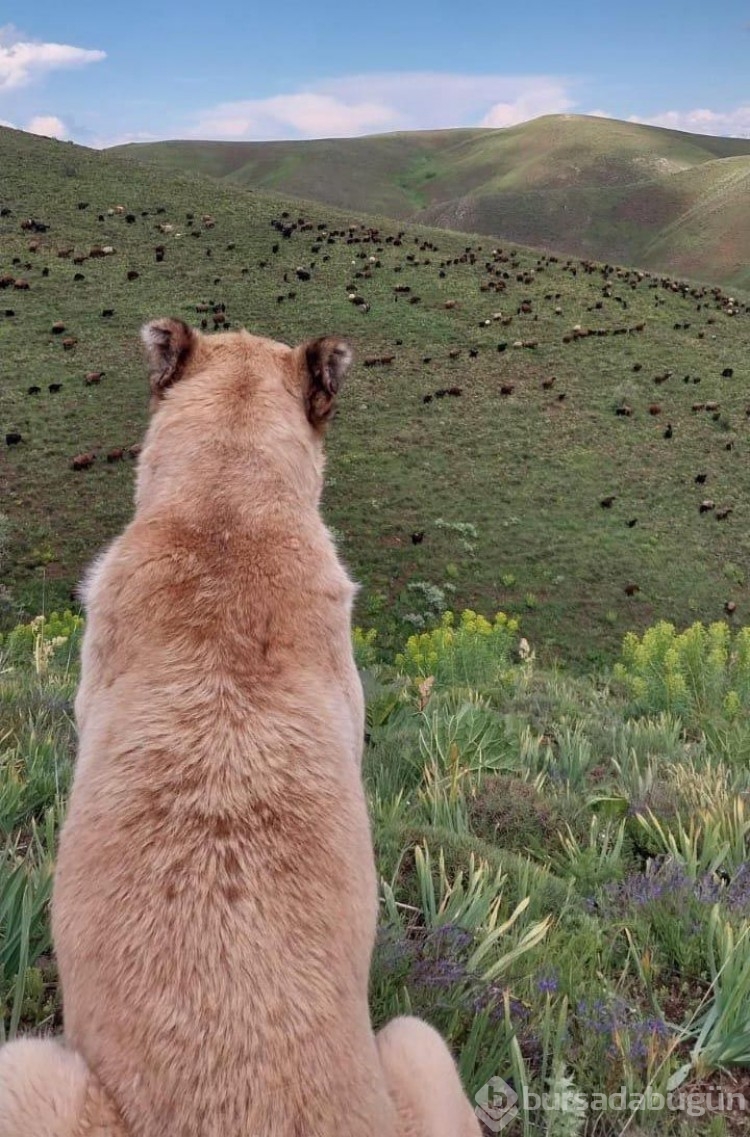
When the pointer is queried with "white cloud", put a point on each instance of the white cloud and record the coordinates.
(733, 123)
(364, 104)
(301, 115)
(545, 99)
(22, 60)
(49, 125)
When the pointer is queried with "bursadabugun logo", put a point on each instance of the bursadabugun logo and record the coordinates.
(496, 1104)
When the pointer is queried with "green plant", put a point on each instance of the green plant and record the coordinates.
(363, 642)
(703, 672)
(43, 642)
(471, 652)
(25, 889)
(722, 1030)
(595, 859)
(711, 840)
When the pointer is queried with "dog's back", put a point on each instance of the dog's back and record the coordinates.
(215, 895)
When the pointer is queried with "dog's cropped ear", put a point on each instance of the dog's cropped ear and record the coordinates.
(169, 344)
(328, 360)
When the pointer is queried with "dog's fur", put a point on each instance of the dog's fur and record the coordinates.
(215, 899)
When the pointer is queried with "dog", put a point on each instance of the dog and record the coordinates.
(215, 898)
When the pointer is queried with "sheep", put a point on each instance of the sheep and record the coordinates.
(83, 461)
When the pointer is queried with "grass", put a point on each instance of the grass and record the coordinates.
(565, 892)
(585, 186)
(484, 500)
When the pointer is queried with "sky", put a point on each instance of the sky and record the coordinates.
(104, 74)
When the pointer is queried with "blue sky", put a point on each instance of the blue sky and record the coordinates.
(108, 73)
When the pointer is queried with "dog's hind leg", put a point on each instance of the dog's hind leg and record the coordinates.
(423, 1082)
(48, 1091)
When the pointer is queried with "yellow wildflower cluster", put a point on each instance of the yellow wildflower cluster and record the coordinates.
(464, 646)
(703, 670)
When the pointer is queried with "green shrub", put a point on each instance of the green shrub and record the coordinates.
(701, 673)
(43, 642)
(517, 815)
(472, 652)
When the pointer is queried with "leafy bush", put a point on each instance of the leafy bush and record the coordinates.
(475, 652)
(701, 673)
(44, 641)
(363, 642)
(517, 814)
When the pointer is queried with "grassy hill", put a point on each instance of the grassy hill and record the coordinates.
(465, 469)
(663, 199)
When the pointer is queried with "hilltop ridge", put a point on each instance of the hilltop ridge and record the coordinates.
(572, 184)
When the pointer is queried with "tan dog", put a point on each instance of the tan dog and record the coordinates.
(215, 898)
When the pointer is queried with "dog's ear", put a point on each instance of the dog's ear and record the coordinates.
(328, 360)
(169, 344)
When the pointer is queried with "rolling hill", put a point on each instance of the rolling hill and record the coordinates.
(562, 439)
(581, 185)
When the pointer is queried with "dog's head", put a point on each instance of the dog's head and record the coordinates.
(238, 393)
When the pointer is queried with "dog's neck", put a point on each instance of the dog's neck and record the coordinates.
(279, 467)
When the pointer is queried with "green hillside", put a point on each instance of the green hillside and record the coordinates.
(571, 183)
(465, 469)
